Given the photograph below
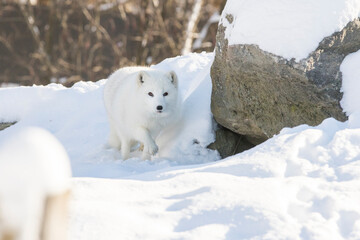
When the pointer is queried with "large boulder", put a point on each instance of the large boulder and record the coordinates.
(257, 93)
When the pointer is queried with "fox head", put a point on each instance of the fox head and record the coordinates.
(159, 91)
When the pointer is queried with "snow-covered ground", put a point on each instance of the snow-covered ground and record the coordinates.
(76, 116)
(303, 183)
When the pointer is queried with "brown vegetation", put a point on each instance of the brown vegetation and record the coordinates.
(87, 40)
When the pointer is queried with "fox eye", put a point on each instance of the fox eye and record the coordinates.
(165, 94)
(150, 94)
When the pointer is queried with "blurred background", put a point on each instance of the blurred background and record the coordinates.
(63, 41)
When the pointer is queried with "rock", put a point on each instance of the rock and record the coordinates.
(322, 67)
(4, 125)
(229, 143)
(256, 93)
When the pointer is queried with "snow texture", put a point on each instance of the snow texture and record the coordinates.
(292, 29)
(304, 183)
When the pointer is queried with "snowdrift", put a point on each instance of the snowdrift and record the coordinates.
(76, 116)
(302, 184)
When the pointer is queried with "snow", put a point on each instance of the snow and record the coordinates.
(350, 73)
(33, 165)
(291, 29)
(303, 183)
(76, 116)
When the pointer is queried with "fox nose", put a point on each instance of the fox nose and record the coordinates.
(159, 108)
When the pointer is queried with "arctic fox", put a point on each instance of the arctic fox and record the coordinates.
(140, 102)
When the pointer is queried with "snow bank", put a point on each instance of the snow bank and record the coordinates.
(291, 29)
(76, 116)
(33, 166)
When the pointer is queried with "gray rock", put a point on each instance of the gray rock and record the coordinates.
(322, 67)
(4, 125)
(229, 143)
(256, 93)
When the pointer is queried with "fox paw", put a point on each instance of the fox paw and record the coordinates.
(150, 149)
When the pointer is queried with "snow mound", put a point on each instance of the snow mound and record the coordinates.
(76, 116)
(291, 29)
(33, 166)
(302, 184)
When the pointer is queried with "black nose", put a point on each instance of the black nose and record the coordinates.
(159, 108)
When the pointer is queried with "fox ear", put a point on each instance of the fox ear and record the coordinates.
(140, 78)
(173, 77)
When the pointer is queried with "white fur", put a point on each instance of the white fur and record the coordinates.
(133, 113)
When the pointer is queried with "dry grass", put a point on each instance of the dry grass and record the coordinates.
(67, 41)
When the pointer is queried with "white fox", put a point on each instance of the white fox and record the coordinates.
(140, 102)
